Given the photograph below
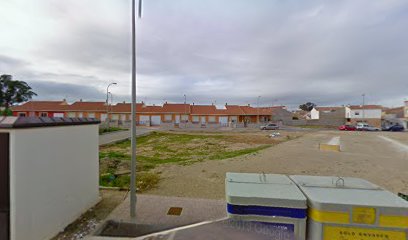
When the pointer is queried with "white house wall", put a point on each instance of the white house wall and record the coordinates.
(368, 113)
(54, 178)
(314, 114)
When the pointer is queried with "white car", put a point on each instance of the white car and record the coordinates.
(270, 126)
(366, 127)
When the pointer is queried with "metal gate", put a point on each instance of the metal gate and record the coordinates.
(4, 187)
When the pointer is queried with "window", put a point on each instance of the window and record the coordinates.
(167, 118)
(211, 119)
(91, 115)
(196, 119)
(115, 116)
(43, 114)
(71, 114)
(234, 119)
(356, 113)
(21, 114)
(184, 118)
(80, 114)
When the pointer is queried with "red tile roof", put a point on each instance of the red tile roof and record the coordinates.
(234, 110)
(123, 107)
(41, 106)
(366, 107)
(87, 106)
(203, 110)
(176, 108)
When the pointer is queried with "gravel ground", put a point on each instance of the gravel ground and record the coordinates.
(363, 155)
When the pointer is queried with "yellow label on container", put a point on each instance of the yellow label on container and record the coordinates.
(364, 215)
(352, 233)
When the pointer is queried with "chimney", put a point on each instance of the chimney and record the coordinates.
(226, 104)
(80, 100)
(166, 102)
(193, 104)
(249, 105)
(124, 102)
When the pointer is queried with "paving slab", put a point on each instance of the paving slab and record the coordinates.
(152, 215)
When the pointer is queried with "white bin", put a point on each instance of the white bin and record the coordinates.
(267, 198)
(352, 209)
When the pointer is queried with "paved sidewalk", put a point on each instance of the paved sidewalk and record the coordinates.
(152, 215)
(121, 135)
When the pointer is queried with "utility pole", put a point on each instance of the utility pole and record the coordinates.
(185, 110)
(363, 95)
(133, 128)
(257, 106)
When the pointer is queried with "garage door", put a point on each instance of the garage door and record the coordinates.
(58, 115)
(156, 120)
(143, 119)
(4, 187)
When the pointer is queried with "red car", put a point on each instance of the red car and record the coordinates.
(347, 128)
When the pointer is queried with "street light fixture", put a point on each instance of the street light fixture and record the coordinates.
(107, 101)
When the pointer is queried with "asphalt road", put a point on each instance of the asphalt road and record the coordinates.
(121, 135)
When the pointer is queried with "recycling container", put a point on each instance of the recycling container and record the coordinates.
(270, 199)
(352, 209)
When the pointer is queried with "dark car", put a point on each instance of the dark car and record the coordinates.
(347, 128)
(394, 128)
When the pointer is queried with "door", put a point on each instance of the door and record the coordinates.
(177, 118)
(4, 187)
(156, 120)
(223, 121)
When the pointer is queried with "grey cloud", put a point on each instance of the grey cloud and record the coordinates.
(289, 52)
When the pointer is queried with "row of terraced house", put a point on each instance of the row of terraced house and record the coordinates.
(154, 115)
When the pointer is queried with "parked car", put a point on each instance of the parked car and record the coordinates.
(394, 128)
(347, 127)
(270, 126)
(366, 127)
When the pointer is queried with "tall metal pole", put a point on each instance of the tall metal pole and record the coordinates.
(185, 110)
(363, 106)
(133, 198)
(257, 105)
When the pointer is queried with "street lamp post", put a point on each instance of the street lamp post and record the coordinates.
(257, 106)
(107, 101)
(185, 110)
(363, 95)
(133, 127)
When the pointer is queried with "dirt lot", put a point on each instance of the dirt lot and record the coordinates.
(164, 148)
(364, 154)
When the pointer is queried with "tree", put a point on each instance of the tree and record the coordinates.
(307, 106)
(13, 91)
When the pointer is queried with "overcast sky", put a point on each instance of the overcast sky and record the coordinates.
(288, 52)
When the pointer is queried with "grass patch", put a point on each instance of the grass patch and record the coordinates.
(164, 147)
(145, 181)
(108, 130)
(231, 154)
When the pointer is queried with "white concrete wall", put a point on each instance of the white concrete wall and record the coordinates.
(54, 178)
(348, 112)
(368, 113)
(314, 114)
